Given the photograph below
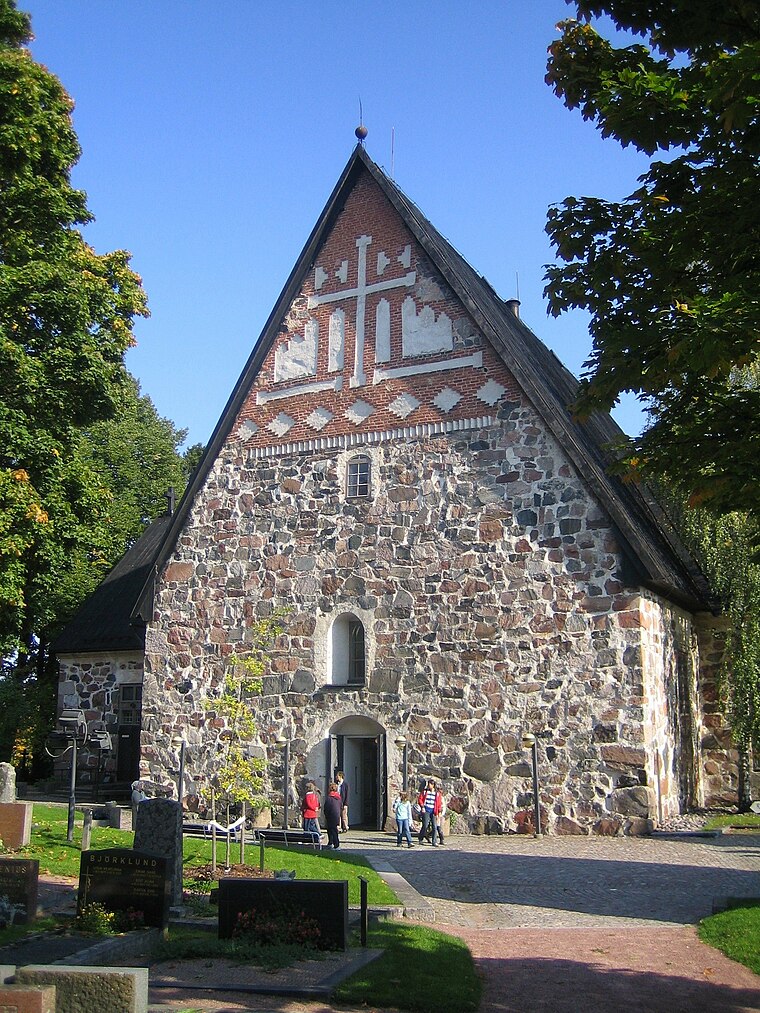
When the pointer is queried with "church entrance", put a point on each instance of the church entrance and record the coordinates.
(357, 747)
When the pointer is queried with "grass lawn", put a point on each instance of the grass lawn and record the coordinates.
(57, 856)
(736, 933)
(744, 821)
(421, 970)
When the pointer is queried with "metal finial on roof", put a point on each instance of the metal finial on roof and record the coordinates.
(361, 131)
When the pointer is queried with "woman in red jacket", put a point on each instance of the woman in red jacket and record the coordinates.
(430, 802)
(310, 808)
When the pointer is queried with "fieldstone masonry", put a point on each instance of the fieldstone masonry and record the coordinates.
(492, 587)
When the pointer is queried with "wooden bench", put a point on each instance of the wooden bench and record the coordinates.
(278, 835)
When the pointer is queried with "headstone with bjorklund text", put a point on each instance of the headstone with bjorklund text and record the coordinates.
(122, 879)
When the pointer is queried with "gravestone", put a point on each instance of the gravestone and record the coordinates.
(159, 831)
(325, 901)
(91, 989)
(19, 879)
(121, 878)
(27, 999)
(7, 782)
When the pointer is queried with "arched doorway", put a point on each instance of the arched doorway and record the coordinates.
(357, 747)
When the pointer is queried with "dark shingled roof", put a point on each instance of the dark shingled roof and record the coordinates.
(656, 557)
(104, 622)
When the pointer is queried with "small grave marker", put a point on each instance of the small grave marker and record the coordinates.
(324, 901)
(19, 879)
(120, 878)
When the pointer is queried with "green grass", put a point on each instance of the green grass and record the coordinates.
(736, 933)
(744, 821)
(307, 864)
(57, 856)
(421, 970)
(13, 933)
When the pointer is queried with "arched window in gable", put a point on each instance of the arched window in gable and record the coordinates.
(348, 665)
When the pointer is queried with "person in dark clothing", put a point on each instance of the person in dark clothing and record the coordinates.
(331, 811)
(340, 778)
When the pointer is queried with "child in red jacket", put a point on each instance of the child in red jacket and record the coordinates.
(310, 808)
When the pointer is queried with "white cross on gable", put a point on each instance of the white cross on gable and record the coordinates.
(360, 293)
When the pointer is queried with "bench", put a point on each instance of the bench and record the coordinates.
(277, 835)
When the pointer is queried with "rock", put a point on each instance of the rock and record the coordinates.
(638, 827)
(7, 782)
(607, 827)
(485, 766)
(568, 827)
(631, 801)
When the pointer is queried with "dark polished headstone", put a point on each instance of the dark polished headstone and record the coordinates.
(19, 879)
(120, 878)
(326, 901)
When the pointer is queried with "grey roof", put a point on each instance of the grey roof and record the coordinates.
(657, 559)
(104, 622)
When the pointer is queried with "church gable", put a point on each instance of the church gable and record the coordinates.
(374, 344)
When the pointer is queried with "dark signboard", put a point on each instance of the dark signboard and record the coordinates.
(19, 878)
(323, 903)
(120, 879)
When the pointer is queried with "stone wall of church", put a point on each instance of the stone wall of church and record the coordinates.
(720, 755)
(91, 682)
(488, 582)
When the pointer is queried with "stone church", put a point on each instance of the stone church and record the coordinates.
(397, 468)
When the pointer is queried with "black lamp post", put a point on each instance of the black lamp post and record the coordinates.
(70, 734)
(529, 742)
(402, 744)
(284, 744)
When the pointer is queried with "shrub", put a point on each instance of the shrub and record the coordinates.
(275, 928)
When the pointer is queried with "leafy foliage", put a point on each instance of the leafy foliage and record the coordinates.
(671, 275)
(66, 316)
(239, 775)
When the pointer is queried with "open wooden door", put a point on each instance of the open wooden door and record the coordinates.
(382, 806)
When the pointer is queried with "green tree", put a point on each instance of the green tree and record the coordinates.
(671, 275)
(191, 459)
(238, 775)
(66, 316)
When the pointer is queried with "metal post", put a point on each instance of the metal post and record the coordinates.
(72, 790)
(406, 767)
(213, 830)
(286, 788)
(86, 830)
(536, 803)
(181, 771)
(364, 909)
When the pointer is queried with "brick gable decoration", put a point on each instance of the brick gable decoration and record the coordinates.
(397, 468)
(374, 346)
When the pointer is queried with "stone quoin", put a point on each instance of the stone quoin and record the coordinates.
(397, 466)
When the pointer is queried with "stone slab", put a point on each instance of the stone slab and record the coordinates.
(159, 831)
(326, 901)
(33, 999)
(15, 824)
(19, 885)
(123, 878)
(86, 989)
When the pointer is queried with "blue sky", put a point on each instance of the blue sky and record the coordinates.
(213, 133)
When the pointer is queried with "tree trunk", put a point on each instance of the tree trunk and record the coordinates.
(745, 789)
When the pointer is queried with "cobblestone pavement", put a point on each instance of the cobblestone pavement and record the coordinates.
(583, 882)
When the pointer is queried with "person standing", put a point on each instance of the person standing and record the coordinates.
(441, 817)
(310, 808)
(340, 778)
(332, 810)
(430, 801)
(402, 810)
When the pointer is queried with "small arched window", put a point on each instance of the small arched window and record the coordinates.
(358, 477)
(348, 654)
